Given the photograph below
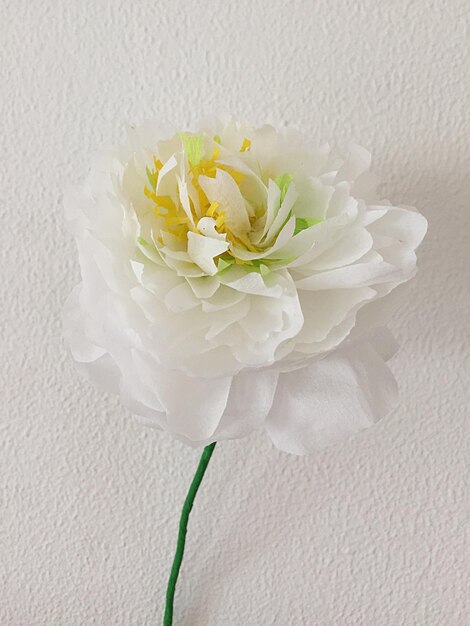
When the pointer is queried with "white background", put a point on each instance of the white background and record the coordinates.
(369, 533)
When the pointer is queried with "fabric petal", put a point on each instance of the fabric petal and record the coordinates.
(202, 251)
(356, 275)
(224, 190)
(251, 397)
(330, 400)
(193, 406)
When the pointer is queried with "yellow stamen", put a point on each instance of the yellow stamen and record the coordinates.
(150, 194)
(171, 215)
(220, 221)
(238, 177)
(212, 209)
(177, 220)
(246, 145)
(166, 202)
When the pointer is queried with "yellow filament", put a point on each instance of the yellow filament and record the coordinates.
(153, 174)
(172, 214)
(220, 221)
(237, 176)
(246, 145)
(212, 209)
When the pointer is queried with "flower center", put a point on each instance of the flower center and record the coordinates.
(173, 217)
(214, 207)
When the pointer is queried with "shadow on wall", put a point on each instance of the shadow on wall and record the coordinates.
(441, 191)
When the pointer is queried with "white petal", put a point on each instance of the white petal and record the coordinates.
(250, 399)
(352, 246)
(341, 200)
(226, 317)
(323, 310)
(250, 282)
(166, 184)
(206, 227)
(184, 199)
(356, 275)
(283, 213)
(204, 287)
(224, 298)
(373, 213)
(251, 186)
(181, 298)
(138, 269)
(193, 406)
(379, 312)
(185, 268)
(296, 247)
(404, 225)
(272, 206)
(330, 400)
(323, 236)
(224, 190)
(282, 241)
(202, 251)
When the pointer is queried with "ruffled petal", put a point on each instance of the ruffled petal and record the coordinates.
(193, 406)
(224, 190)
(331, 400)
(251, 397)
(207, 270)
(202, 251)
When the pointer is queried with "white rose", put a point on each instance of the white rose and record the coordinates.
(235, 278)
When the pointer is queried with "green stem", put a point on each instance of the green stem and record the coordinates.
(183, 527)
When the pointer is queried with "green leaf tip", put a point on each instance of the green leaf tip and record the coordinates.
(223, 265)
(151, 178)
(302, 223)
(264, 269)
(283, 181)
(194, 147)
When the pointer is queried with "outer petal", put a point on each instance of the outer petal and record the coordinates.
(251, 397)
(249, 401)
(324, 310)
(330, 400)
(193, 406)
(404, 225)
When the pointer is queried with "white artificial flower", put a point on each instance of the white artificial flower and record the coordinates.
(236, 278)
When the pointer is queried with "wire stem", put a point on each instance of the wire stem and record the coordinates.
(183, 527)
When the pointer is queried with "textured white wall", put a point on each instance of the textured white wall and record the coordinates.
(370, 533)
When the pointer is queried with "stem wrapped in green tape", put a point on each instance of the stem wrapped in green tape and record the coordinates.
(183, 527)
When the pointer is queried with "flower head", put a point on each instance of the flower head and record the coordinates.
(233, 277)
